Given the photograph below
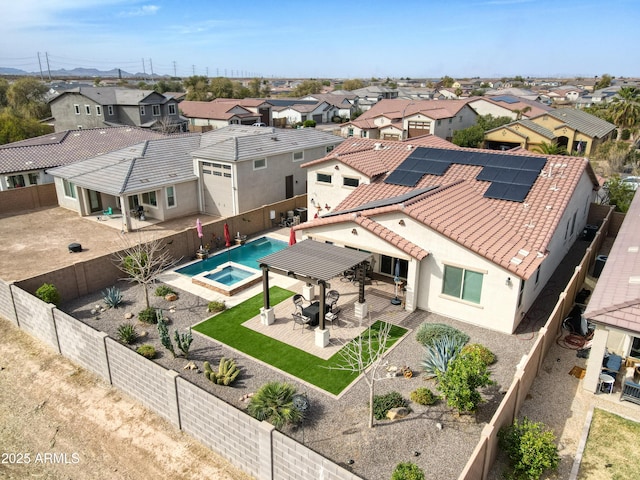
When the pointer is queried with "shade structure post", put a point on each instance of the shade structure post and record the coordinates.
(265, 286)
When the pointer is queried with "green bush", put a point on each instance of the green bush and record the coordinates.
(163, 290)
(217, 306)
(112, 297)
(309, 124)
(530, 448)
(428, 333)
(48, 293)
(423, 396)
(486, 355)
(148, 315)
(383, 403)
(147, 351)
(460, 382)
(127, 333)
(407, 471)
(273, 402)
(440, 353)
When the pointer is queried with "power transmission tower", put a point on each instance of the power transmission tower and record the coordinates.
(174, 69)
(46, 54)
(40, 65)
(151, 67)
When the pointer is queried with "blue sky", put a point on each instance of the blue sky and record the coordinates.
(340, 39)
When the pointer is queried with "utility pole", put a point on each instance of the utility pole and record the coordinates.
(40, 65)
(46, 54)
(151, 67)
(144, 72)
(174, 69)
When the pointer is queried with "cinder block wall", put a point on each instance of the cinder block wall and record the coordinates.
(7, 309)
(35, 317)
(18, 200)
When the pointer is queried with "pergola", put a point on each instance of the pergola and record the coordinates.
(314, 263)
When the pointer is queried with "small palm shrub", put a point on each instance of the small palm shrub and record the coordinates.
(273, 402)
(148, 315)
(530, 447)
(216, 306)
(163, 290)
(147, 351)
(407, 471)
(48, 293)
(383, 403)
(486, 355)
(112, 297)
(440, 353)
(428, 333)
(423, 396)
(127, 333)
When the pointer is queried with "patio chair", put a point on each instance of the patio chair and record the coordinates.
(299, 319)
(333, 316)
(331, 299)
(299, 300)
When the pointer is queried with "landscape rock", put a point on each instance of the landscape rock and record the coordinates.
(171, 297)
(128, 316)
(397, 412)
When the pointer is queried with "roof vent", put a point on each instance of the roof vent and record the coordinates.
(634, 280)
(409, 147)
(377, 146)
(633, 249)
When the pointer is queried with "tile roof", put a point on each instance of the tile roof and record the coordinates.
(212, 110)
(112, 95)
(513, 235)
(397, 108)
(583, 122)
(615, 300)
(513, 104)
(63, 148)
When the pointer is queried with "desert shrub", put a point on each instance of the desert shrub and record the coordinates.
(148, 315)
(430, 332)
(48, 293)
(530, 447)
(163, 290)
(309, 124)
(217, 306)
(407, 471)
(383, 403)
(461, 380)
(112, 297)
(273, 402)
(127, 333)
(440, 353)
(147, 351)
(423, 396)
(486, 355)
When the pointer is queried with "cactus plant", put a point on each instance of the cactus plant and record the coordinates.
(227, 372)
(183, 341)
(440, 353)
(112, 297)
(165, 338)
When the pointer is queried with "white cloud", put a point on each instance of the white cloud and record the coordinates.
(140, 11)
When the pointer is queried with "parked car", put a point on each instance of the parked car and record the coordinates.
(632, 182)
(259, 124)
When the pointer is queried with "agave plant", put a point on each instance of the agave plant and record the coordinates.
(113, 297)
(273, 402)
(440, 353)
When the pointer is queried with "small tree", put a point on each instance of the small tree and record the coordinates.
(48, 293)
(530, 448)
(460, 381)
(363, 355)
(407, 471)
(620, 194)
(143, 261)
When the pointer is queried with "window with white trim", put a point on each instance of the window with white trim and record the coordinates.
(330, 148)
(33, 178)
(350, 182)
(69, 188)
(260, 164)
(98, 110)
(87, 109)
(149, 198)
(298, 156)
(462, 283)
(171, 197)
(76, 108)
(142, 110)
(155, 110)
(110, 109)
(323, 178)
(172, 109)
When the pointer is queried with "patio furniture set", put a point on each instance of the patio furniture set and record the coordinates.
(309, 315)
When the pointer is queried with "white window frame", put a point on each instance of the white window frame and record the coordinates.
(87, 109)
(155, 110)
(318, 180)
(151, 199)
(172, 109)
(76, 108)
(98, 110)
(142, 111)
(460, 296)
(69, 189)
(298, 156)
(344, 184)
(256, 165)
(173, 203)
(110, 109)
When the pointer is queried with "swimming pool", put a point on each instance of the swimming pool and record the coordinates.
(247, 255)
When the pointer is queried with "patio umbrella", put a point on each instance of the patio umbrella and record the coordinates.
(396, 281)
(199, 230)
(227, 236)
(292, 237)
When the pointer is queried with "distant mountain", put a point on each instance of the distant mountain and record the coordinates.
(78, 72)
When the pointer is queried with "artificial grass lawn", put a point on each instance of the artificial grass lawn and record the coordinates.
(226, 327)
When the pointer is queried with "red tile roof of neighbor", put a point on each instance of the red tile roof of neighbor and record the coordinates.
(616, 298)
(212, 110)
(511, 234)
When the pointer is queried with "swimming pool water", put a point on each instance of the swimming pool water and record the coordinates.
(247, 255)
(229, 275)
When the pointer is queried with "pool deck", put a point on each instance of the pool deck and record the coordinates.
(378, 297)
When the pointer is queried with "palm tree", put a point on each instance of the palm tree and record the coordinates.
(550, 149)
(625, 110)
(273, 402)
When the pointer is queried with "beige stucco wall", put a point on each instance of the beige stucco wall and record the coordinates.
(330, 194)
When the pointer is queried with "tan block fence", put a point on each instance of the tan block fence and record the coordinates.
(253, 446)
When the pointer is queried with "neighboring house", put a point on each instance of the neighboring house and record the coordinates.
(299, 111)
(24, 163)
(213, 115)
(473, 241)
(95, 107)
(515, 92)
(507, 106)
(565, 94)
(571, 128)
(614, 306)
(369, 96)
(393, 119)
(345, 105)
(604, 95)
(222, 172)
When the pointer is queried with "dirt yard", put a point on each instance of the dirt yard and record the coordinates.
(61, 422)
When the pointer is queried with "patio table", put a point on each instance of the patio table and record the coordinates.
(313, 312)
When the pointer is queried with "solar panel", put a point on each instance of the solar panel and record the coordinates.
(505, 99)
(488, 174)
(435, 168)
(505, 191)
